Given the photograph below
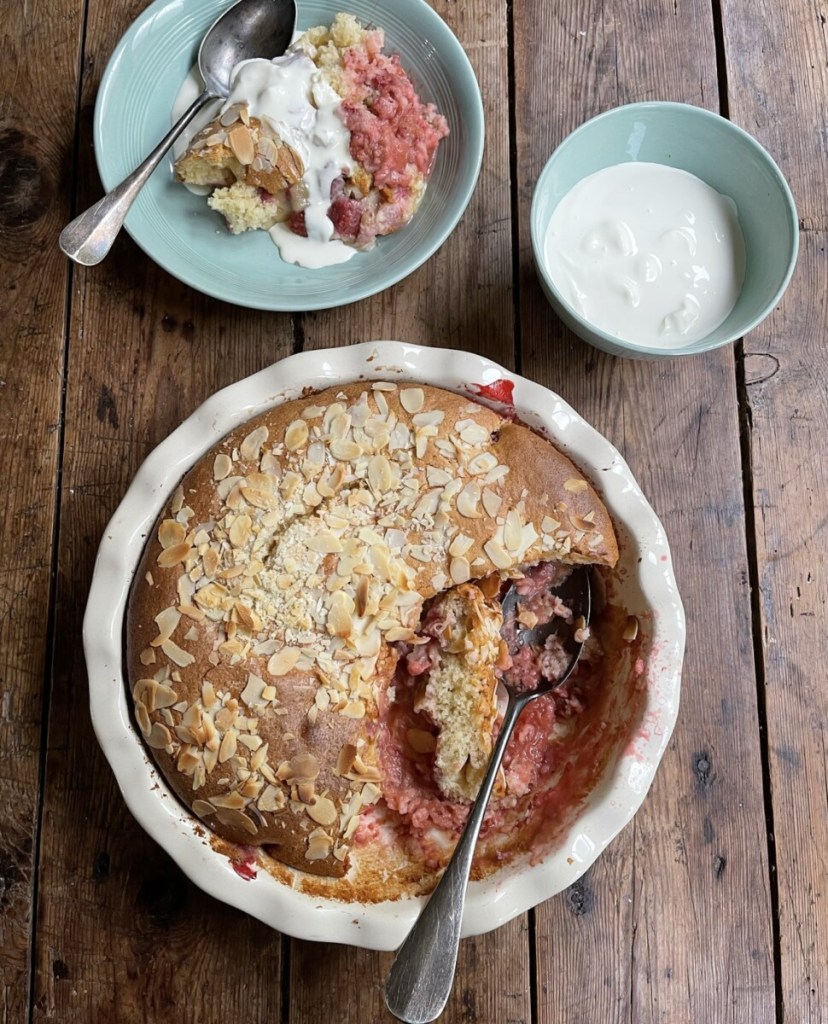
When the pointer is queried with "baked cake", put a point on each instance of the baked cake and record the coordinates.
(294, 578)
(343, 85)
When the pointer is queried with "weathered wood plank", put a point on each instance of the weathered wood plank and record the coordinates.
(777, 86)
(37, 113)
(122, 935)
(645, 929)
(462, 297)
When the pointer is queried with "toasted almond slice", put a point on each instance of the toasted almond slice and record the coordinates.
(460, 570)
(354, 709)
(271, 799)
(383, 385)
(296, 435)
(345, 761)
(322, 810)
(283, 661)
(176, 654)
(230, 801)
(379, 475)
(498, 554)
(251, 446)
(460, 545)
(203, 809)
(167, 622)
(240, 531)
(473, 433)
(345, 451)
(512, 530)
(222, 466)
(171, 533)
(159, 736)
(324, 543)
(630, 629)
(241, 142)
(319, 845)
(575, 486)
(491, 502)
(173, 555)
(412, 399)
(467, 501)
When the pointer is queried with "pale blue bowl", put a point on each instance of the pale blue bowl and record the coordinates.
(180, 232)
(716, 151)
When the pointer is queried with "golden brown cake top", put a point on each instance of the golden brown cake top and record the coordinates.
(288, 561)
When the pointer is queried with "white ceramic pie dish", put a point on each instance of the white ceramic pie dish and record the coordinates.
(647, 588)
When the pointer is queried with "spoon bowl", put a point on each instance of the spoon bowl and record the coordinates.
(421, 977)
(248, 29)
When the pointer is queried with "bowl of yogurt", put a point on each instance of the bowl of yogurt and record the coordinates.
(662, 229)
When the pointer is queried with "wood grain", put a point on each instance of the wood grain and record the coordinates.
(122, 935)
(699, 841)
(777, 82)
(37, 116)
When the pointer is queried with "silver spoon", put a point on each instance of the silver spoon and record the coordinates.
(250, 28)
(420, 980)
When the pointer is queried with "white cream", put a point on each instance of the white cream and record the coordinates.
(647, 253)
(291, 95)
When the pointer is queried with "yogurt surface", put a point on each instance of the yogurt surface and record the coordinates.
(648, 253)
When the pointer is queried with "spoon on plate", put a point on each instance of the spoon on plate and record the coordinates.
(419, 982)
(250, 28)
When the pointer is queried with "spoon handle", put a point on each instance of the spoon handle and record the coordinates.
(420, 980)
(89, 237)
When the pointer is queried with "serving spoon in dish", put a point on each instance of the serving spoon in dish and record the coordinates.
(248, 29)
(420, 981)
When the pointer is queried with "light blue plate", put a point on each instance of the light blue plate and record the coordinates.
(180, 232)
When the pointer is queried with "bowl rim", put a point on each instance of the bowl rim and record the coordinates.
(109, 107)
(614, 343)
(504, 895)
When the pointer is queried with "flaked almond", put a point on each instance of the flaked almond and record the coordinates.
(322, 811)
(485, 462)
(630, 629)
(241, 142)
(498, 554)
(473, 433)
(345, 451)
(379, 474)
(460, 545)
(222, 466)
(575, 486)
(491, 502)
(412, 399)
(459, 570)
(171, 533)
(340, 615)
(251, 446)
(173, 555)
(324, 543)
(582, 524)
(512, 530)
(361, 601)
(549, 525)
(240, 531)
(237, 819)
(203, 809)
(345, 761)
(167, 621)
(176, 654)
(230, 801)
(467, 501)
(319, 845)
(159, 736)
(354, 709)
(283, 661)
(296, 435)
(272, 799)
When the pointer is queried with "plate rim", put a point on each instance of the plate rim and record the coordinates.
(376, 926)
(473, 157)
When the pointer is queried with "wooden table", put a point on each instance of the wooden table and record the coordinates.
(711, 906)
